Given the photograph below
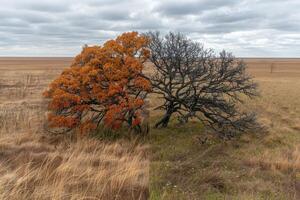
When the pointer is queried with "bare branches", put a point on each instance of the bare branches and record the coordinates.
(195, 83)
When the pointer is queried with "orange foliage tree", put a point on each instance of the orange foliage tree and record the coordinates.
(104, 85)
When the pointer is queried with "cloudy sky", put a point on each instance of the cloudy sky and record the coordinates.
(248, 28)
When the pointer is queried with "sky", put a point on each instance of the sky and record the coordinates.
(247, 28)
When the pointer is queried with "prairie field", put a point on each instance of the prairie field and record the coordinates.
(38, 165)
(35, 164)
(259, 165)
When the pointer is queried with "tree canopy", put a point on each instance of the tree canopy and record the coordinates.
(104, 85)
(194, 82)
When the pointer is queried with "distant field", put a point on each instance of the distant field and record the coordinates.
(31, 63)
(280, 66)
(288, 65)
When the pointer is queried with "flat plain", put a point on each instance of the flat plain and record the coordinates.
(35, 165)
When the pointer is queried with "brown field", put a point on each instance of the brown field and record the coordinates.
(35, 165)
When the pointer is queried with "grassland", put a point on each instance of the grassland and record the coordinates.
(260, 165)
(37, 165)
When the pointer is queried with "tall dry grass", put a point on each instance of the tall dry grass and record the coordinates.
(37, 165)
(15, 118)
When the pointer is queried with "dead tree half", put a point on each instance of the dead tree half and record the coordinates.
(196, 83)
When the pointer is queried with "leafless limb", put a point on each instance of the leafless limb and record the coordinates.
(197, 83)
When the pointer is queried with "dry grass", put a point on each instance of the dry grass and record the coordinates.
(287, 161)
(21, 117)
(32, 167)
(36, 165)
(256, 166)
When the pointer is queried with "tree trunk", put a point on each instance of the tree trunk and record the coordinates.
(164, 121)
(166, 118)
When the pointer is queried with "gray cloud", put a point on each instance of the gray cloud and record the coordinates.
(189, 7)
(44, 7)
(61, 27)
(229, 16)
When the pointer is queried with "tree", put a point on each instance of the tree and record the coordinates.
(195, 83)
(104, 85)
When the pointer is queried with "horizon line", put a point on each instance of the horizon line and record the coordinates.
(246, 57)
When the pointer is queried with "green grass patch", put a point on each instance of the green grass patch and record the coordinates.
(183, 167)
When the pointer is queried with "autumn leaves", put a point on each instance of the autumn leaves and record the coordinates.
(105, 85)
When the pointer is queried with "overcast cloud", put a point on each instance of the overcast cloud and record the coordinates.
(248, 28)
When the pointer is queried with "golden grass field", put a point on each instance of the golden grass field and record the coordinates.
(36, 165)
